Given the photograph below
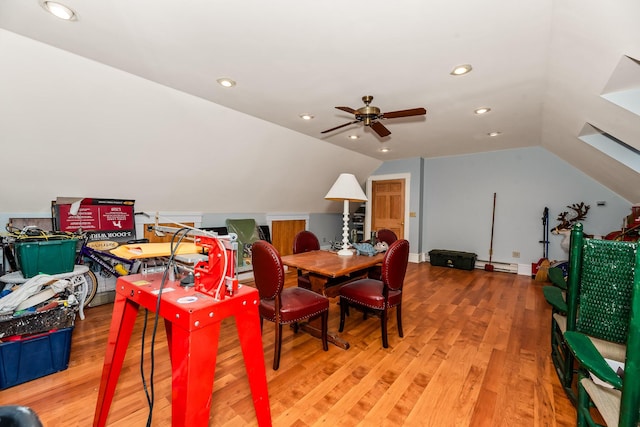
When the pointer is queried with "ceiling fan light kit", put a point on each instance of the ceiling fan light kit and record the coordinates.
(370, 115)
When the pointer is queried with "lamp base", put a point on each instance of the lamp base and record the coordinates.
(345, 252)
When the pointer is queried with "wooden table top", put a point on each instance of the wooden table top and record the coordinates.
(330, 264)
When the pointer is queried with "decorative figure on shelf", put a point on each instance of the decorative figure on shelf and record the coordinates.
(567, 221)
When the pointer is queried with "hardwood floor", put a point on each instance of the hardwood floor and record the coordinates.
(476, 352)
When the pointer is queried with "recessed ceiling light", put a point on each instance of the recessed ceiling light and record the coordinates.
(306, 116)
(226, 82)
(494, 133)
(59, 10)
(353, 137)
(384, 150)
(482, 110)
(461, 69)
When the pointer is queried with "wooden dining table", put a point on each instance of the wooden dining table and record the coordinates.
(327, 272)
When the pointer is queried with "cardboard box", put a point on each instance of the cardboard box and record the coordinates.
(34, 357)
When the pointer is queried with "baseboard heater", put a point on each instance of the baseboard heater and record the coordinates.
(505, 267)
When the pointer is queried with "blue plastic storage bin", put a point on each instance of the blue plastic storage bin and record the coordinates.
(34, 357)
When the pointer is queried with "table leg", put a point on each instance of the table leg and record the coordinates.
(248, 324)
(314, 326)
(122, 322)
(193, 359)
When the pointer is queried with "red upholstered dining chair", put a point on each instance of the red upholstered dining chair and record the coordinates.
(387, 236)
(283, 306)
(379, 295)
(305, 241)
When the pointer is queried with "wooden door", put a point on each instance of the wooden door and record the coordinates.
(387, 206)
(283, 232)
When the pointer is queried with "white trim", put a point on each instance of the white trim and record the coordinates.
(407, 192)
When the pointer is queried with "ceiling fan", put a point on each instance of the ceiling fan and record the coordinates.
(369, 115)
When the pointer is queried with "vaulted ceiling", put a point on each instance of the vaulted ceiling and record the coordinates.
(542, 67)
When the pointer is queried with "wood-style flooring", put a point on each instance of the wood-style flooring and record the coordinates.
(475, 352)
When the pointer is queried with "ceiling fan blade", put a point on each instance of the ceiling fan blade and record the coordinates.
(347, 109)
(341, 126)
(404, 113)
(380, 129)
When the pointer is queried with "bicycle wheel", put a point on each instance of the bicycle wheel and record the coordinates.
(85, 287)
(91, 282)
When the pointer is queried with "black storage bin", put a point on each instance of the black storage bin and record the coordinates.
(453, 259)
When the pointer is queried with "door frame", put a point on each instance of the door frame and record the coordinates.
(407, 186)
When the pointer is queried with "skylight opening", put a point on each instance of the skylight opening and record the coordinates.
(623, 88)
(611, 146)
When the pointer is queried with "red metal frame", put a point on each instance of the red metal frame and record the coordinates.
(192, 322)
(219, 269)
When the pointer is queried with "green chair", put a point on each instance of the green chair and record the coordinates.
(556, 277)
(248, 234)
(618, 404)
(598, 288)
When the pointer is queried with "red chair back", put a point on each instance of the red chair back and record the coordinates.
(394, 264)
(386, 235)
(305, 241)
(268, 271)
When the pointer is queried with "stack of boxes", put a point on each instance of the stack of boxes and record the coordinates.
(38, 342)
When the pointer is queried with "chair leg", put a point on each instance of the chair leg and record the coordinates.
(582, 407)
(343, 312)
(383, 324)
(325, 321)
(261, 319)
(399, 321)
(295, 327)
(278, 347)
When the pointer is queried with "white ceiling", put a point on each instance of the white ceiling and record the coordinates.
(540, 66)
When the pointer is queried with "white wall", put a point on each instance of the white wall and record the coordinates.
(73, 127)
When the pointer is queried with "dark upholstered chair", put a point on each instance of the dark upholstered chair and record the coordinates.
(18, 416)
(305, 241)
(387, 236)
(379, 296)
(283, 306)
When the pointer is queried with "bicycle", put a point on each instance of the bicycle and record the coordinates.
(85, 285)
(103, 262)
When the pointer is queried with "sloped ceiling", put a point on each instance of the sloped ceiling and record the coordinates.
(541, 66)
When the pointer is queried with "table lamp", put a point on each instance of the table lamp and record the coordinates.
(346, 188)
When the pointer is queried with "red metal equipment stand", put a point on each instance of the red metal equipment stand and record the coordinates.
(192, 322)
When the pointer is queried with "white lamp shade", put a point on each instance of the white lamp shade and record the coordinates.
(346, 187)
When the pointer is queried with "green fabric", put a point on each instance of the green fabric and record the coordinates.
(589, 357)
(556, 276)
(246, 229)
(247, 232)
(554, 297)
(606, 283)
